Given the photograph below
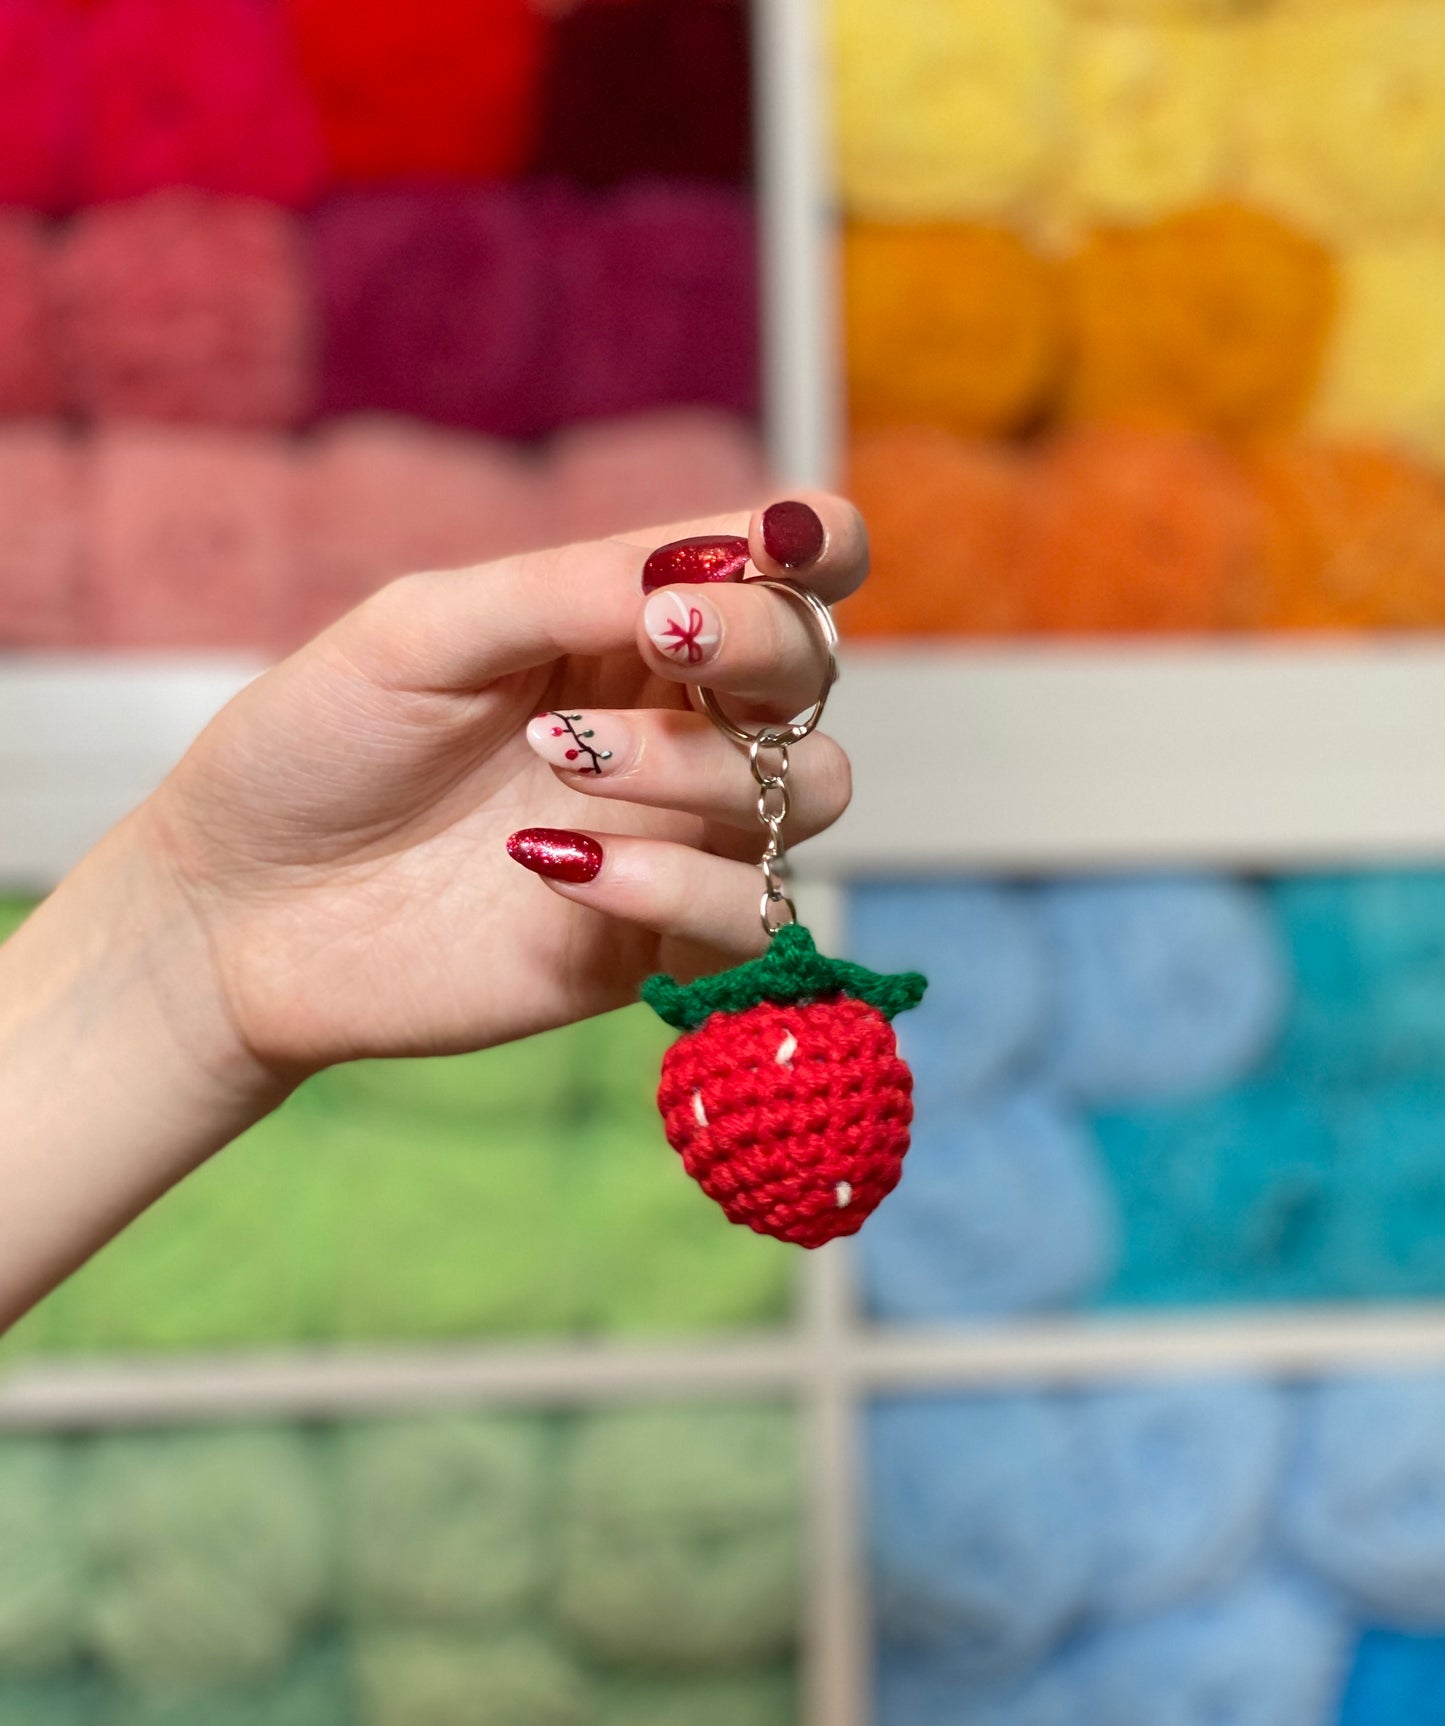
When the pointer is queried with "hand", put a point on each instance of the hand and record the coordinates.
(336, 840)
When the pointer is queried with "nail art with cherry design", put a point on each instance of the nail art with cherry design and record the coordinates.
(574, 741)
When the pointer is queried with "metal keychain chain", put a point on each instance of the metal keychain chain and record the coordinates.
(776, 909)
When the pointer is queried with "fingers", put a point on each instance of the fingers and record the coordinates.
(680, 893)
(668, 760)
(460, 629)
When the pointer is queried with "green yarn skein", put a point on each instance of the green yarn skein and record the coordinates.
(314, 1691)
(680, 1537)
(443, 1517)
(209, 1555)
(759, 1699)
(425, 1678)
(68, 1701)
(40, 1584)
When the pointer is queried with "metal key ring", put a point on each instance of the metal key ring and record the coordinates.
(770, 736)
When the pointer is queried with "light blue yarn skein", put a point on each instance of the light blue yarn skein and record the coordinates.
(914, 1691)
(1003, 1207)
(1271, 1652)
(983, 950)
(1167, 987)
(1365, 1502)
(983, 1540)
(1182, 1477)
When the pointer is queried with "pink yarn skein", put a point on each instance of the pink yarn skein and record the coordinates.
(42, 102)
(385, 497)
(202, 93)
(29, 370)
(191, 538)
(40, 537)
(655, 469)
(187, 306)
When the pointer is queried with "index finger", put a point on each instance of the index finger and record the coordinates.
(454, 630)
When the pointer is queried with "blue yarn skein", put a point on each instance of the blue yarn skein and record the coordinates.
(913, 1691)
(1271, 1652)
(1368, 951)
(1003, 1208)
(1396, 1681)
(1168, 987)
(983, 950)
(1229, 1199)
(1182, 1477)
(982, 1538)
(1365, 1504)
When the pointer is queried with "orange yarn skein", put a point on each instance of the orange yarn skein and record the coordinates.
(944, 516)
(1216, 318)
(949, 324)
(1134, 531)
(1353, 538)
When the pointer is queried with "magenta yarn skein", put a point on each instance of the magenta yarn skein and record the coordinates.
(40, 537)
(42, 102)
(657, 300)
(191, 537)
(434, 303)
(29, 369)
(383, 497)
(206, 95)
(187, 306)
(671, 465)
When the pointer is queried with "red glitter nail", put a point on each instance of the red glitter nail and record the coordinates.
(793, 534)
(689, 562)
(556, 853)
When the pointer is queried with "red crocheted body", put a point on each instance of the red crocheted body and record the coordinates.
(793, 1118)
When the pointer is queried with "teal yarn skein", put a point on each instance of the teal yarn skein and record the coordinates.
(40, 1579)
(680, 1544)
(209, 1555)
(443, 1518)
(315, 1690)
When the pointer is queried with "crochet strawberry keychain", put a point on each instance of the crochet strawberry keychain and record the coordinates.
(785, 1096)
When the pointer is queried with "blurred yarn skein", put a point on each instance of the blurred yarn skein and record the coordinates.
(432, 1678)
(982, 1535)
(1365, 1503)
(208, 1555)
(443, 1519)
(41, 537)
(207, 96)
(1168, 987)
(1396, 1678)
(41, 1582)
(187, 306)
(1269, 1652)
(680, 1545)
(1003, 1208)
(1184, 1477)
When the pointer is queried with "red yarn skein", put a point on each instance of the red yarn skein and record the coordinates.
(40, 537)
(186, 306)
(196, 93)
(191, 538)
(637, 87)
(42, 102)
(803, 1148)
(29, 369)
(446, 88)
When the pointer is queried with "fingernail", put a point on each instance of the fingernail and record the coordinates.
(793, 534)
(579, 742)
(681, 627)
(687, 562)
(556, 853)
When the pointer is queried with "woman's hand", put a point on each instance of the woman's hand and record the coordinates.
(338, 837)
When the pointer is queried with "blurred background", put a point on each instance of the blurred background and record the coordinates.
(443, 1399)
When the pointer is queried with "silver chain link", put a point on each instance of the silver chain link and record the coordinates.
(775, 908)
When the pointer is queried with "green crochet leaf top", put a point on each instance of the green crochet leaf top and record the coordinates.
(791, 970)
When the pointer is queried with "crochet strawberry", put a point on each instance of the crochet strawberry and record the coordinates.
(785, 1096)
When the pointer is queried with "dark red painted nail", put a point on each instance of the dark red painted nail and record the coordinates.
(792, 534)
(557, 853)
(709, 557)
